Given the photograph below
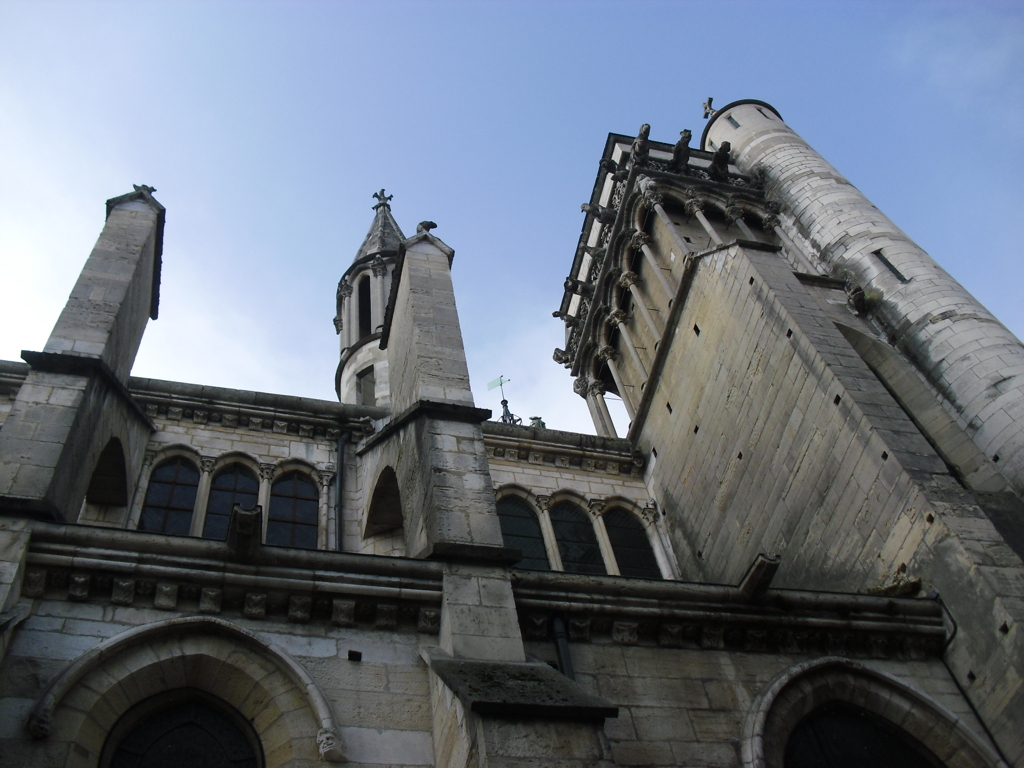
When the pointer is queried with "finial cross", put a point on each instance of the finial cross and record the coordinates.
(382, 199)
(708, 109)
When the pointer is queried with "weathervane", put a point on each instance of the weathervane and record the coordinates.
(382, 199)
(506, 415)
(708, 111)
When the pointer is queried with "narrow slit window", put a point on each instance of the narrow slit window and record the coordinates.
(732, 121)
(890, 266)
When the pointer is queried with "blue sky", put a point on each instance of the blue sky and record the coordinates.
(265, 127)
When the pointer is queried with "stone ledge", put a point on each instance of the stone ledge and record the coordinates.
(516, 689)
(464, 414)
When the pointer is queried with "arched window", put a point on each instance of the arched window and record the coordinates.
(182, 727)
(577, 542)
(232, 485)
(842, 735)
(170, 497)
(365, 322)
(294, 512)
(521, 530)
(630, 544)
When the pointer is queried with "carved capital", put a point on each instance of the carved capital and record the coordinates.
(344, 290)
(596, 389)
(544, 502)
(773, 206)
(649, 512)
(770, 222)
(206, 463)
(694, 204)
(581, 386)
(733, 213)
(627, 279)
(378, 267)
(606, 353)
(597, 506)
(148, 457)
(325, 480)
(639, 239)
(615, 317)
(267, 471)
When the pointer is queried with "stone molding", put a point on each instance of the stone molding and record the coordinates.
(41, 718)
(711, 617)
(780, 707)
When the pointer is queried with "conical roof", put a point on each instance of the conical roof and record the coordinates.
(384, 234)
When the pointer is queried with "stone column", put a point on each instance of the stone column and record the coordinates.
(345, 315)
(670, 225)
(629, 282)
(596, 395)
(593, 393)
(642, 240)
(607, 354)
(202, 494)
(267, 472)
(323, 529)
(794, 255)
(352, 316)
(548, 533)
(618, 318)
(597, 508)
(379, 301)
(695, 207)
(139, 498)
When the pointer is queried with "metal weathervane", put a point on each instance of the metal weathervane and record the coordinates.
(506, 415)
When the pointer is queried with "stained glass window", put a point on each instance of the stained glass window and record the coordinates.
(521, 530)
(232, 485)
(631, 546)
(294, 512)
(170, 497)
(577, 542)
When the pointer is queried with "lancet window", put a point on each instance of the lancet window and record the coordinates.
(577, 542)
(632, 548)
(234, 484)
(293, 520)
(170, 498)
(520, 529)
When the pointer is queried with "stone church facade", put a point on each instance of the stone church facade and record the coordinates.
(806, 550)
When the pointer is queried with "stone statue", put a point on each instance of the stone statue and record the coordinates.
(641, 151)
(681, 153)
(719, 168)
(425, 226)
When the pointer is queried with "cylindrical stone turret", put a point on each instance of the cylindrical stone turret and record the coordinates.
(973, 362)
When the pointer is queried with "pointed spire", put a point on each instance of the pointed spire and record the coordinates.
(385, 234)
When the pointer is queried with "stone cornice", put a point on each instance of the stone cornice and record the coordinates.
(717, 617)
(254, 411)
(561, 449)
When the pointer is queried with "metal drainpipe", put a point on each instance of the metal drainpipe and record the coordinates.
(339, 486)
(562, 647)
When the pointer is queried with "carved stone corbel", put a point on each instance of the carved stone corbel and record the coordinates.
(581, 386)
(599, 212)
(544, 502)
(245, 532)
(267, 471)
(329, 746)
(597, 506)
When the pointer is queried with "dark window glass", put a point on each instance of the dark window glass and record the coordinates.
(232, 485)
(170, 498)
(294, 512)
(191, 733)
(577, 542)
(631, 546)
(841, 735)
(365, 322)
(520, 530)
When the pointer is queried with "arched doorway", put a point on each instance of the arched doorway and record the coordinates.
(843, 735)
(182, 727)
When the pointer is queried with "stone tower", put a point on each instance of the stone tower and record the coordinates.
(362, 375)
